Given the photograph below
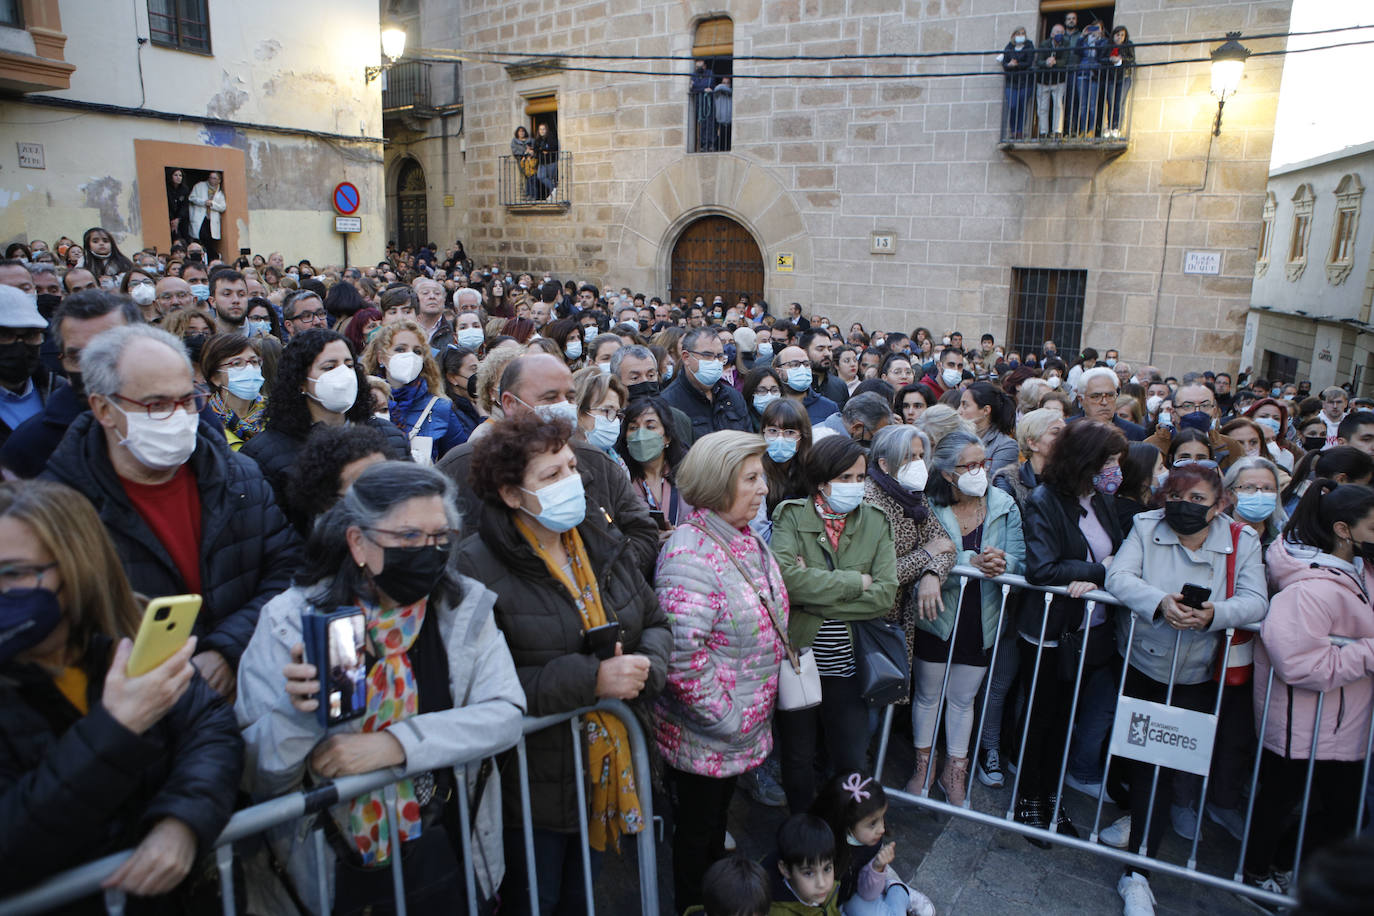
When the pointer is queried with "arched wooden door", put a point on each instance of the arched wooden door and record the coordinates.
(412, 206)
(716, 256)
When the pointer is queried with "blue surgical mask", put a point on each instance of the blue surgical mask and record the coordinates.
(1256, 507)
(761, 401)
(471, 338)
(765, 349)
(562, 504)
(574, 348)
(259, 328)
(799, 378)
(708, 371)
(781, 449)
(245, 382)
(604, 433)
(730, 353)
(845, 497)
(668, 372)
(201, 291)
(1270, 424)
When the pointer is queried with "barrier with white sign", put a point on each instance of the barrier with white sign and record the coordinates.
(1166, 736)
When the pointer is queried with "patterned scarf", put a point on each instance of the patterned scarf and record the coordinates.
(615, 806)
(392, 695)
(246, 426)
(834, 521)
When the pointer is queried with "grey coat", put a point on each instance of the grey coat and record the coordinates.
(1152, 564)
(280, 739)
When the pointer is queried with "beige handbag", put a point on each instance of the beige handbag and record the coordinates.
(799, 680)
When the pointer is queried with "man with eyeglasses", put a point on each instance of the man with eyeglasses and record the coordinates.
(1335, 401)
(792, 364)
(701, 393)
(186, 514)
(302, 310)
(542, 384)
(77, 320)
(24, 384)
(1099, 387)
(1195, 407)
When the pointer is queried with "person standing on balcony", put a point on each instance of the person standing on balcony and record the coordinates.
(703, 107)
(1018, 60)
(546, 148)
(1088, 58)
(1117, 80)
(522, 153)
(725, 105)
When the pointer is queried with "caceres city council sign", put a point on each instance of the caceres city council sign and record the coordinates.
(1165, 735)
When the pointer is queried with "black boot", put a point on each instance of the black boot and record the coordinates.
(1062, 824)
(1030, 810)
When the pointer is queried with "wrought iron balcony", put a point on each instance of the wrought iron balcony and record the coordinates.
(706, 131)
(1087, 108)
(539, 181)
(407, 89)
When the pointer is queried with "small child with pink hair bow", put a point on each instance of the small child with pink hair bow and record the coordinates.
(855, 807)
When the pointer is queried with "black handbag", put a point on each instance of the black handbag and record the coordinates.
(883, 667)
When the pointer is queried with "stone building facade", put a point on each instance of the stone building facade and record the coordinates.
(895, 202)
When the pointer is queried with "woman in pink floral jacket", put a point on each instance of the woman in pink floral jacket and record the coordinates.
(725, 599)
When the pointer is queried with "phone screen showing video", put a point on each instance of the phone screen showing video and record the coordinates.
(346, 692)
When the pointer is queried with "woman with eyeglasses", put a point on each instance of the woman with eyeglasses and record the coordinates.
(582, 624)
(761, 387)
(839, 565)
(600, 402)
(232, 368)
(984, 525)
(1174, 646)
(441, 687)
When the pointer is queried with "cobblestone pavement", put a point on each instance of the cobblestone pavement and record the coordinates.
(971, 868)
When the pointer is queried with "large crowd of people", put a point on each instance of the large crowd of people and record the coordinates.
(539, 494)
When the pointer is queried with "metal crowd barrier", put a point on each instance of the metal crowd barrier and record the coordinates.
(1189, 871)
(85, 880)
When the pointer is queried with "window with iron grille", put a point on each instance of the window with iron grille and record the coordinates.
(1046, 304)
(180, 24)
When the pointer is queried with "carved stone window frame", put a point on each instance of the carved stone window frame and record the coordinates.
(1303, 202)
(1271, 209)
(1348, 194)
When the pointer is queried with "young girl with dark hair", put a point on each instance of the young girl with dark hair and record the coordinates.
(855, 807)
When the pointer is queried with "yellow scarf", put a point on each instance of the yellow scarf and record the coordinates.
(614, 797)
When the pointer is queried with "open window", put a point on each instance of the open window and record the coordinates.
(710, 97)
(1303, 200)
(1266, 239)
(1341, 257)
(542, 176)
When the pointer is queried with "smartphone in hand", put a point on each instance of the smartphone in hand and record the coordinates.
(167, 624)
(336, 644)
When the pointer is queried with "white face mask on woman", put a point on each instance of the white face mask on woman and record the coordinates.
(973, 483)
(913, 476)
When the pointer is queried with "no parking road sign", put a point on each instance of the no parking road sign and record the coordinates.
(346, 198)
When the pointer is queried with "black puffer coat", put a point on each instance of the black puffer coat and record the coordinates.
(276, 451)
(74, 788)
(248, 551)
(544, 632)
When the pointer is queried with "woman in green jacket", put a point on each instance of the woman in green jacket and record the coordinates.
(838, 563)
(985, 526)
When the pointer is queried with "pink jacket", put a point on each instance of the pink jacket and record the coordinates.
(1319, 596)
(715, 716)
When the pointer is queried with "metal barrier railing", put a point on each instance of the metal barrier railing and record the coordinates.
(1234, 882)
(85, 880)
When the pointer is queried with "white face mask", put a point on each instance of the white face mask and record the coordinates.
(404, 368)
(913, 476)
(845, 497)
(142, 293)
(973, 483)
(1152, 403)
(951, 377)
(337, 389)
(563, 410)
(1053, 381)
(160, 444)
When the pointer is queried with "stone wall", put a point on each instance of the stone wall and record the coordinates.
(818, 165)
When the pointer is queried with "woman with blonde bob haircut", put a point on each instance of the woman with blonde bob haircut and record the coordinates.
(417, 403)
(97, 761)
(725, 599)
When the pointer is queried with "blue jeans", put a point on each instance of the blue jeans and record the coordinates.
(548, 177)
(892, 902)
(558, 868)
(1086, 87)
(1096, 707)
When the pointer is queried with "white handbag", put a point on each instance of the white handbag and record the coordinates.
(799, 680)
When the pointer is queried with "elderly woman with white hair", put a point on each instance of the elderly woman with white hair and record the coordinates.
(896, 484)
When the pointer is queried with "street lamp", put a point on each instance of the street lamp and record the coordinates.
(1228, 64)
(393, 46)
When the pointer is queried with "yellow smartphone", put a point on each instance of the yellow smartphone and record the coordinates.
(167, 624)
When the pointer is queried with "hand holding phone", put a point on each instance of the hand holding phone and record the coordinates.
(167, 624)
(1195, 596)
(138, 703)
(335, 646)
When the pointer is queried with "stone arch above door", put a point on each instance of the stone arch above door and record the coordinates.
(725, 184)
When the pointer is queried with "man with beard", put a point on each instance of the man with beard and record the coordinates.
(824, 380)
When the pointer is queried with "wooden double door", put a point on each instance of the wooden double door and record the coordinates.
(716, 256)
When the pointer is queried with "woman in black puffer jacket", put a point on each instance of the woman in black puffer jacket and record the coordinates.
(559, 566)
(93, 761)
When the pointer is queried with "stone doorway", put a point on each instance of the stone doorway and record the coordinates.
(716, 256)
(412, 206)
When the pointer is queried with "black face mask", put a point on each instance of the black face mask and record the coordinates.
(48, 303)
(78, 385)
(644, 390)
(472, 386)
(18, 360)
(1186, 517)
(410, 573)
(1313, 443)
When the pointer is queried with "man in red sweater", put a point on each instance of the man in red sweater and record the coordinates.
(949, 371)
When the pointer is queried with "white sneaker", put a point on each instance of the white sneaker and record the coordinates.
(918, 904)
(730, 844)
(1136, 896)
(1118, 835)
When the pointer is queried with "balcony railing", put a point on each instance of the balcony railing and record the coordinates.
(1068, 109)
(407, 87)
(537, 182)
(709, 116)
